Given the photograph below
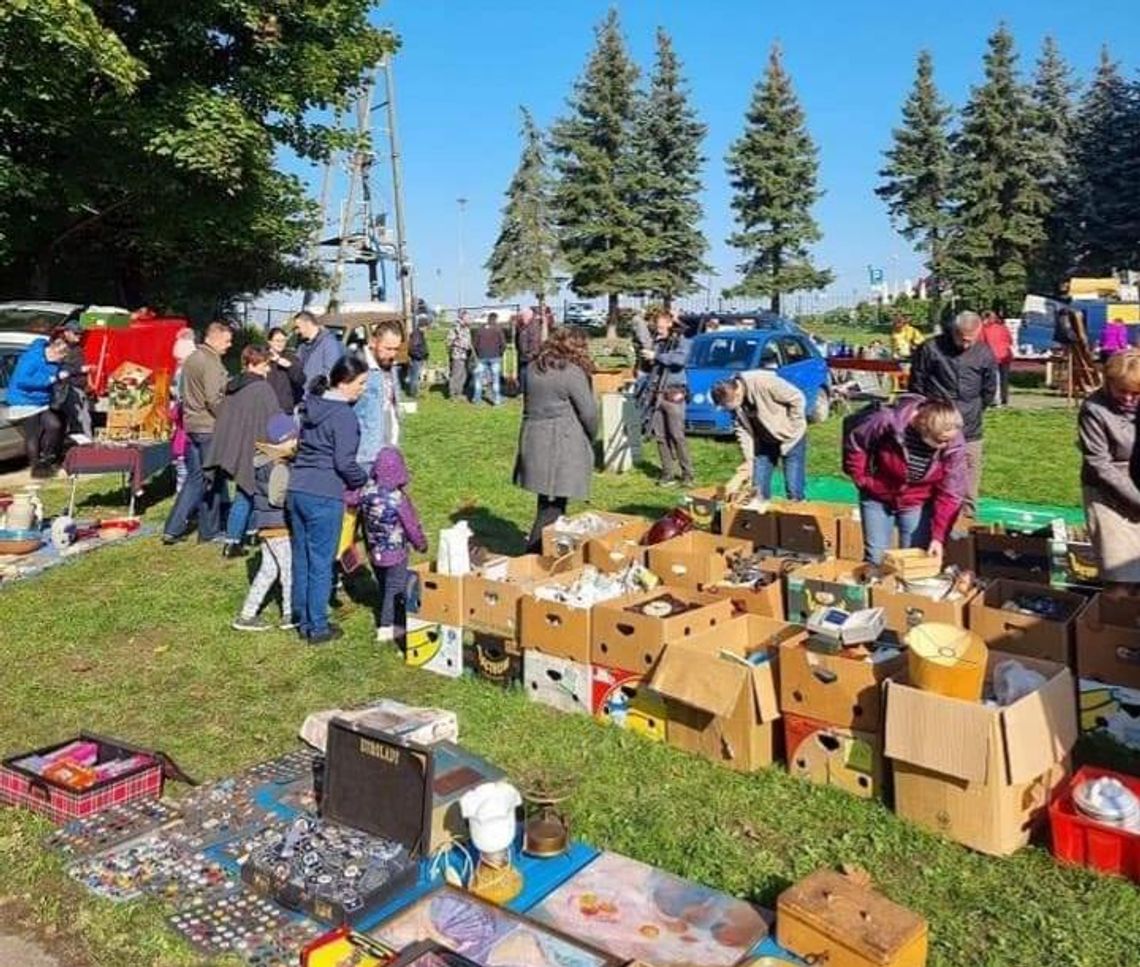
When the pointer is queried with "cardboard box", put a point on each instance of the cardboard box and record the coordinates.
(1023, 634)
(830, 755)
(1112, 711)
(441, 596)
(811, 527)
(981, 776)
(704, 505)
(766, 601)
(720, 701)
(836, 689)
(624, 638)
(610, 381)
(433, 647)
(1075, 564)
(959, 551)
(610, 555)
(559, 542)
(827, 584)
(851, 538)
(759, 527)
(904, 609)
(494, 658)
(694, 559)
(492, 594)
(558, 682)
(1018, 557)
(556, 628)
(623, 698)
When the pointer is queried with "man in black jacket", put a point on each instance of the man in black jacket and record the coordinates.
(959, 367)
(489, 343)
(528, 342)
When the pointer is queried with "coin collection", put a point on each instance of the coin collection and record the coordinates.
(241, 924)
(223, 810)
(191, 879)
(112, 826)
(286, 768)
(126, 871)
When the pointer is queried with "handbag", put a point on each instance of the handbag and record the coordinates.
(60, 391)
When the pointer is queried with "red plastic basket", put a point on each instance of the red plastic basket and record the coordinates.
(1078, 840)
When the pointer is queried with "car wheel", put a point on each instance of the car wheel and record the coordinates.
(821, 408)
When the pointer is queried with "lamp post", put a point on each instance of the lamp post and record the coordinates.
(462, 202)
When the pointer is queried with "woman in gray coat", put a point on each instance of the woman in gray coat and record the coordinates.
(560, 417)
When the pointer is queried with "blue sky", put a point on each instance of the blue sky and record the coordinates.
(467, 66)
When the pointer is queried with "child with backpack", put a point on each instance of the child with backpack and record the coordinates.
(391, 525)
(271, 478)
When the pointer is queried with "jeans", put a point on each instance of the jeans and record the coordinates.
(314, 530)
(199, 495)
(669, 429)
(879, 522)
(393, 584)
(237, 523)
(494, 368)
(415, 373)
(43, 438)
(795, 468)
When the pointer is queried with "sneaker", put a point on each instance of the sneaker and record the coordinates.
(169, 540)
(255, 623)
(666, 482)
(232, 550)
(385, 634)
(688, 482)
(323, 637)
(287, 624)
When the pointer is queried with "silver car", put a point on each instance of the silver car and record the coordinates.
(12, 344)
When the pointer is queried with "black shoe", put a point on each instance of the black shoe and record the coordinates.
(169, 540)
(230, 549)
(43, 471)
(323, 637)
(666, 482)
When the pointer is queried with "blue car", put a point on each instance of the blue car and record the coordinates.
(780, 345)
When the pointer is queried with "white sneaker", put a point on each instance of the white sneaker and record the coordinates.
(385, 634)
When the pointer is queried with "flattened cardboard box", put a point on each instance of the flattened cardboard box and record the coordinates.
(441, 596)
(625, 638)
(827, 584)
(556, 628)
(720, 702)
(694, 559)
(759, 527)
(981, 776)
(491, 595)
(904, 609)
(624, 699)
(837, 689)
(830, 755)
(1108, 641)
(433, 647)
(558, 682)
(1023, 634)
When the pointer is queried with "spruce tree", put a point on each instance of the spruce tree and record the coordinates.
(523, 257)
(600, 232)
(916, 179)
(1107, 177)
(772, 168)
(1054, 159)
(667, 160)
(998, 206)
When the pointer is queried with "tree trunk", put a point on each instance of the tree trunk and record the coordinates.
(541, 296)
(667, 302)
(776, 302)
(612, 316)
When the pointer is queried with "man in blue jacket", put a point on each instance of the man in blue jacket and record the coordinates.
(668, 357)
(30, 397)
(319, 349)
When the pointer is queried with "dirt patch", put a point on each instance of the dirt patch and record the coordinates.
(22, 943)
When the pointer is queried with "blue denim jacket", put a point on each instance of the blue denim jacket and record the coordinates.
(376, 413)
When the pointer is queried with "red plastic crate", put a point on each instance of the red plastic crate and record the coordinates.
(1078, 840)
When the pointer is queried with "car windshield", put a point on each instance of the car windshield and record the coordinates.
(30, 320)
(727, 353)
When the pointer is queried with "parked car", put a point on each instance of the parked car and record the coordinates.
(28, 316)
(584, 314)
(778, 345)
(12, 344)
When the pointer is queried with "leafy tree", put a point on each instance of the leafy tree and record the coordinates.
(1054, 158)
(138, 142)
(773, 168)
(667, 147)
(523, 257)
(601, 234)
(1107, 202)
(916, 179)
(998, 204)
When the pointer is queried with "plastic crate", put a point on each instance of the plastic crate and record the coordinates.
(1081, 841)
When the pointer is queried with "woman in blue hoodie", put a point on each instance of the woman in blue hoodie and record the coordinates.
(324, 469)
(30, 390)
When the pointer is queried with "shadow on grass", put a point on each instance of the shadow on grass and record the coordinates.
(156, 489)
(497, 534)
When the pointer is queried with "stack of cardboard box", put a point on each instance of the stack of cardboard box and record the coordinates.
(1108, 666)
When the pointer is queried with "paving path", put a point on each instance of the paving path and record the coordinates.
(17, 952)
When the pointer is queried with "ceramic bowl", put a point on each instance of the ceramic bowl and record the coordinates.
(19, 541)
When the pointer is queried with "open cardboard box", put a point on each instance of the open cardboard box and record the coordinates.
(491, 594)
(441, 595)
(766, 601)
(830, 755)
(704, 505)
(827, 584)
(977, 774)
(1019, 557)
(694, 559)
(628, 640)
(559, 542)
(1024, 634)
(558, 682)
(624, 698)
(759, 527)
(904, 609)
(810, 526)
(719, 703)
(555, 628)
(613, 554)
(1108, 641)
(836, 689)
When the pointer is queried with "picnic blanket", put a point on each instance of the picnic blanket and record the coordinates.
(15, 567)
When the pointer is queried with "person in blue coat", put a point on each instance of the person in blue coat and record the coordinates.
(319, 349)
(324, 470)
(30, 391)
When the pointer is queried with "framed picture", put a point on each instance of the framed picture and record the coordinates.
(486, 934)
(428, 954)
(637, 912)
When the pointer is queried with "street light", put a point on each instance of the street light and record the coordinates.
(462, 209)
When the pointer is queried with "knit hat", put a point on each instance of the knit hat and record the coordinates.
(280, 428)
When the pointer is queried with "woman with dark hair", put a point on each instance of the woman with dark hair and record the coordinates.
(556, 440)
(31, 389)
(324, 469)
(285, 373)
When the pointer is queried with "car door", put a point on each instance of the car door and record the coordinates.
(11, 439)
(769, 356)
(798, 368)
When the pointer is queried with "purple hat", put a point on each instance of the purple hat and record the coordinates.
(281, 428)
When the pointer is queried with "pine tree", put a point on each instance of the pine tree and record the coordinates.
(1054, 159)
(773, 168)
(916, 178)
(523, 257)
(667, 161)
(1107, 176)
(998, 206)
(600, 232)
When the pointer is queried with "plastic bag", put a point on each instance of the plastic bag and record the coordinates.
(1013, 681)
(454, 550)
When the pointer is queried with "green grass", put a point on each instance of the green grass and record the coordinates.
(135, 641)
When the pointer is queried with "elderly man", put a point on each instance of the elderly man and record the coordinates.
(319, 349)
(458, 353)
(959, 367)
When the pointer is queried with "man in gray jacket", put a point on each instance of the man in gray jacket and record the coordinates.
(204, 380)
(771, 425)
(319, 349)
(668, 356)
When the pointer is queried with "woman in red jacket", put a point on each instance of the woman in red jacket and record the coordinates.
(995, 334)
(909, 463)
